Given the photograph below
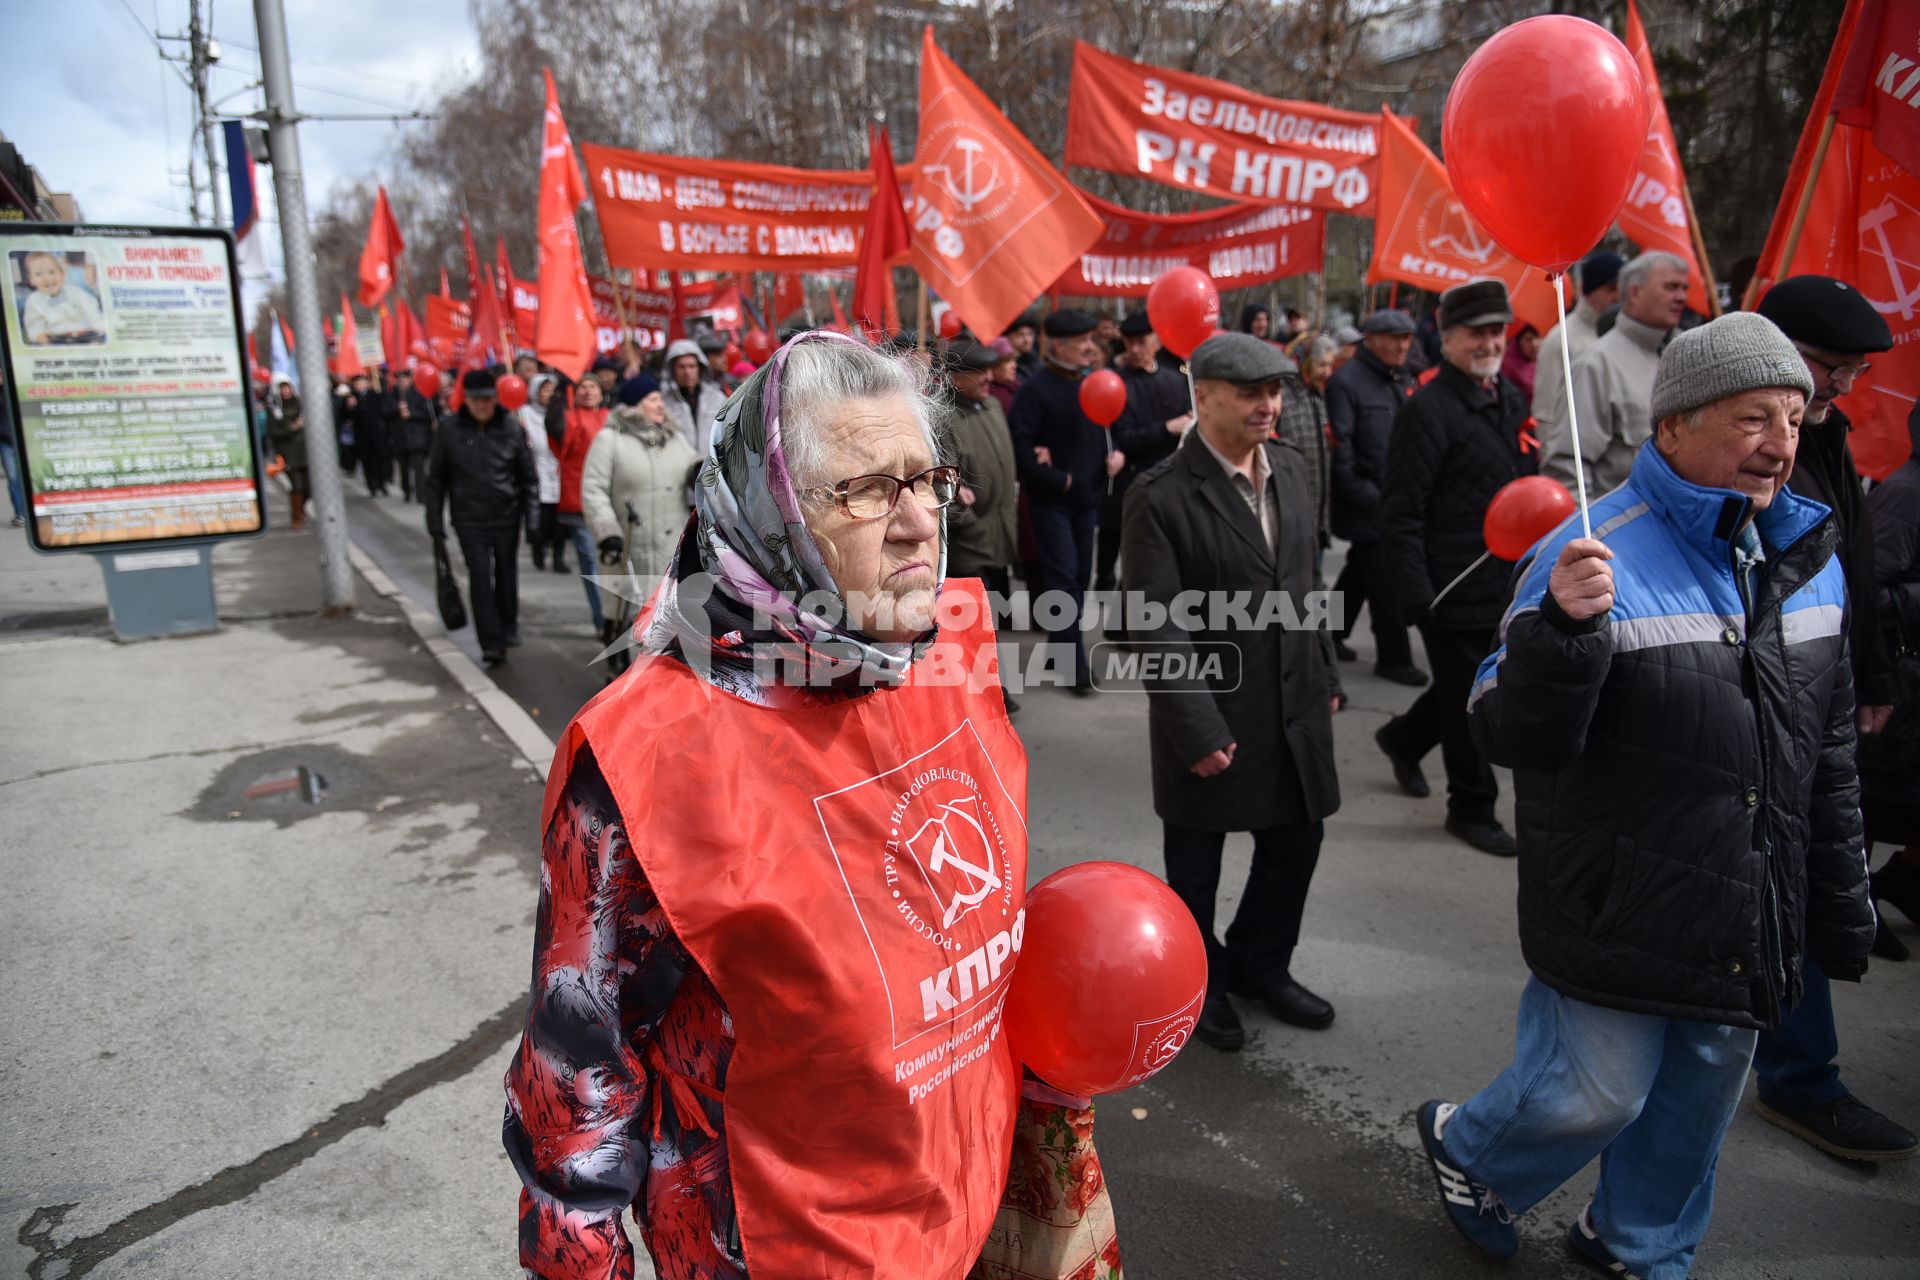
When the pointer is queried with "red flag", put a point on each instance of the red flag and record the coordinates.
(566, 336)
(381, 254)
(503, 288)
(390, 349)
(884, 241)
(1880, 83)
(839, 316)
(446, 290)
(348, 363)
(1852, 211)
(1657, 214)
(413, 337)
(286, 334)
(253, 352)
(486, 345)
(1424, 237)
(993, 223)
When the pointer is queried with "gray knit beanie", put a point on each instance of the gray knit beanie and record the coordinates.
(1741, 351)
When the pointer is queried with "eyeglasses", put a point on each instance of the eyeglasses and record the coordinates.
(872, 497)
(1839, 372)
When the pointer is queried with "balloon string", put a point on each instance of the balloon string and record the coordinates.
(1573, 420)
(1435, 604)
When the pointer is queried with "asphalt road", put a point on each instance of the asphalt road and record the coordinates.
(1297, 1156)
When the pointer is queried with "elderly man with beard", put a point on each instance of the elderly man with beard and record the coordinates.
(1454, 444)
(1247, 746)
(1674, 698)
(1834, 329)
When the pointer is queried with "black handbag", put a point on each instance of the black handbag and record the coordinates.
(453, 610)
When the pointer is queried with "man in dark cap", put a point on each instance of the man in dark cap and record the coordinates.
(1021, 334)
(482, 469)
(1158, 411)
(1248, 745)
(981, 524)
(1835, 330)
(606, 371)
(1065, 461)
(1599, 289)
(1455, 443)
(1363, 396)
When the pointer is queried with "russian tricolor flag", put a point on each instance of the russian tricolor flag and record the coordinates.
(246, 201)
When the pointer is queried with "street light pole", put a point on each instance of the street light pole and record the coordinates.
(303, 294)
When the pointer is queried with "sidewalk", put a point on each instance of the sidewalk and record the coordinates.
(256, 1017)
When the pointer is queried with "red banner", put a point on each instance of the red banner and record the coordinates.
(1239, 246)
(380, 254)
(1656, 215)
(1862, 225)
(1424, 237)
(694, 214)
(1205, 135)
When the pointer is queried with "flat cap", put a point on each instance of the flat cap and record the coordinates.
(1826, 313)
(1474, 303)
(1136, 325)
(1346, 336)
(1240, 358)
(1387, 320)
(974, 357)
(1741, 351)
(1600, 269)
(1070, 324)
(1023, 322)
(477, 382)
(709, 341)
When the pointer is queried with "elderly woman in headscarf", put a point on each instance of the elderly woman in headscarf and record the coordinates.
(783, 875)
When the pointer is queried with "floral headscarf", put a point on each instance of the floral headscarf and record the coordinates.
(750, 542)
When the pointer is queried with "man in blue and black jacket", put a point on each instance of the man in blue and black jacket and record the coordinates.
(1674, 697)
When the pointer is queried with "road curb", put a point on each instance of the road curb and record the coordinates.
(522, 731)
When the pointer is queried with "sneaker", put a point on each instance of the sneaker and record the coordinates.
(1474, 1208)
(1586, 1246)
(1845, 1127)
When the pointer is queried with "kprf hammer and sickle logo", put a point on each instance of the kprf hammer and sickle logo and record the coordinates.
(961, 857)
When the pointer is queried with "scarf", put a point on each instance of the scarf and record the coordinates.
(736, 607)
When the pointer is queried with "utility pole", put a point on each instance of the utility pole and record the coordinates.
(202, 52)
(303, 294)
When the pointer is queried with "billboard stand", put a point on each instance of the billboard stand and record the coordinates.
(128, 378)
(165, 592)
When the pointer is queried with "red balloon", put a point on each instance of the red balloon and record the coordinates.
(261, 376)
(512, 391)
(950, 323)
(1102, 396)
(1111, 977)
(758, 345)
(1543, 133)
(1184, 309)
(1523, 512)
(426, 379)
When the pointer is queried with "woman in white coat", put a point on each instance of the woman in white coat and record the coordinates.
(546, 469)
(633, 495)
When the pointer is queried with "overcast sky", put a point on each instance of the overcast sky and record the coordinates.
(92, 107)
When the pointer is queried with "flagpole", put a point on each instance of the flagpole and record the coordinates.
(620, 309)
(921, 316)
(1800, 214)
(1700, 250)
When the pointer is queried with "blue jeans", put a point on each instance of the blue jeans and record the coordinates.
(1651, 1096)
(10, 458)
(587, 557)
(1795, 1063)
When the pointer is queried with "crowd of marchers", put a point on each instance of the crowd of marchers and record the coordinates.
(1704, 687)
